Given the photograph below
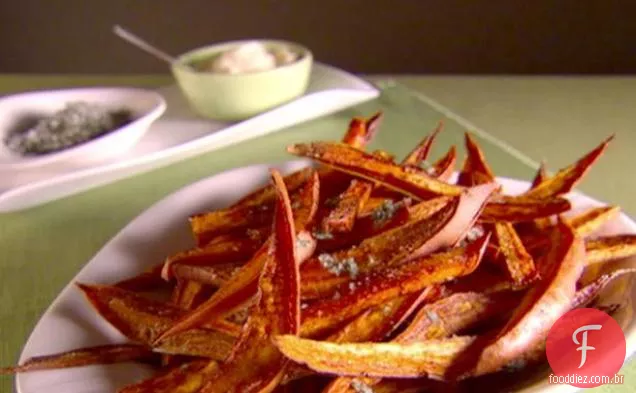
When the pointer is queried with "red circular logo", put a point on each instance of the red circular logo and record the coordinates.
(585, 348)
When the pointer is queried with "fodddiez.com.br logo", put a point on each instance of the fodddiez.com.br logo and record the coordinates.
(586, 348)
(586, 380)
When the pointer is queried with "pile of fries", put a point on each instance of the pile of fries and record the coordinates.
(361, 274)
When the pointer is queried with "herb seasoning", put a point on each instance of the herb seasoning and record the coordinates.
(77, 123)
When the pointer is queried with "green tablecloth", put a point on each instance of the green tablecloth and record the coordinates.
(41, 249)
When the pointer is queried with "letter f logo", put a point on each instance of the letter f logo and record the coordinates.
(584, 347)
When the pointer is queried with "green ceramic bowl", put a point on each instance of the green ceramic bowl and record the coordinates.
(232, 97)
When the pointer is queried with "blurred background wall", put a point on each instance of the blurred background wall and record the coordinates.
(367, 36)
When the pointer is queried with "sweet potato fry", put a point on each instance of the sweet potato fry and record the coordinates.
(215, 276)
(360, 385)
(231, 251)
(584, 224)
(181, 379)
(607, 248)
(145, 281)
(374, 202)
(415, 385)
(376, 288)
(141, 320)
(364, 165)
(237, 291)
(443, 168)
(207, 226)
(243, 285)
(443, 318)
(420, 153)
(342, 217)
(103, 354)
(592, 219)
(540, 176)
(349, 203)
(485, 280)
(255, 365)
(372, 325)
(324, 273)
(249, 218)
(513, 209)
(431, 357)
(189, 294)
(362, 131)
(378, 322)
(457, 313)
(541, 306)
(519, 262)
(445, 228)
(588, 293)
(475, 170)
(385, 216)
(384, 155)
(567, 178)
(267, 193)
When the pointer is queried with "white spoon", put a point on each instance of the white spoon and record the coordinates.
(144, 45)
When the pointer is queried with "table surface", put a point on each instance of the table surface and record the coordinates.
(555, 119)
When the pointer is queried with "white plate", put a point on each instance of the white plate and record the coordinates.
(163, 229)
(146, 106)
(179, 135)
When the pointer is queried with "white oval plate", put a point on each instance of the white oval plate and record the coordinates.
(146, 107)
(71, 323)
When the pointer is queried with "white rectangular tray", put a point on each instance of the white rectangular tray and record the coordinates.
(330, 90)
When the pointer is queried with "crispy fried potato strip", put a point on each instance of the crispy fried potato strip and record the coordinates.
(361, 131)
(519, 262)
(607, 248)
(364, 165)
(243, 285)
(142, 320)
(457, 313)
(443, 168)
(187, 378)
(444, 228)
(540, 176)
(384, 216)
(591, 220)
(443, 318)
(215, 276)
(420, 153)
(103, 354)
(350, 203)
(588, 293)
(231, 251)
(540, 307)
(513, 209)
(375, 288)
(567, 178)
(378, 322)
(145, 281)
(430, 357)
(475, 170)
(255, 365)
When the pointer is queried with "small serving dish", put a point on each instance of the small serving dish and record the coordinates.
(21, 111)
(216, 93)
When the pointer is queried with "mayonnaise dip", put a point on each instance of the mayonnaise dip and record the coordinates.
(251, 57)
